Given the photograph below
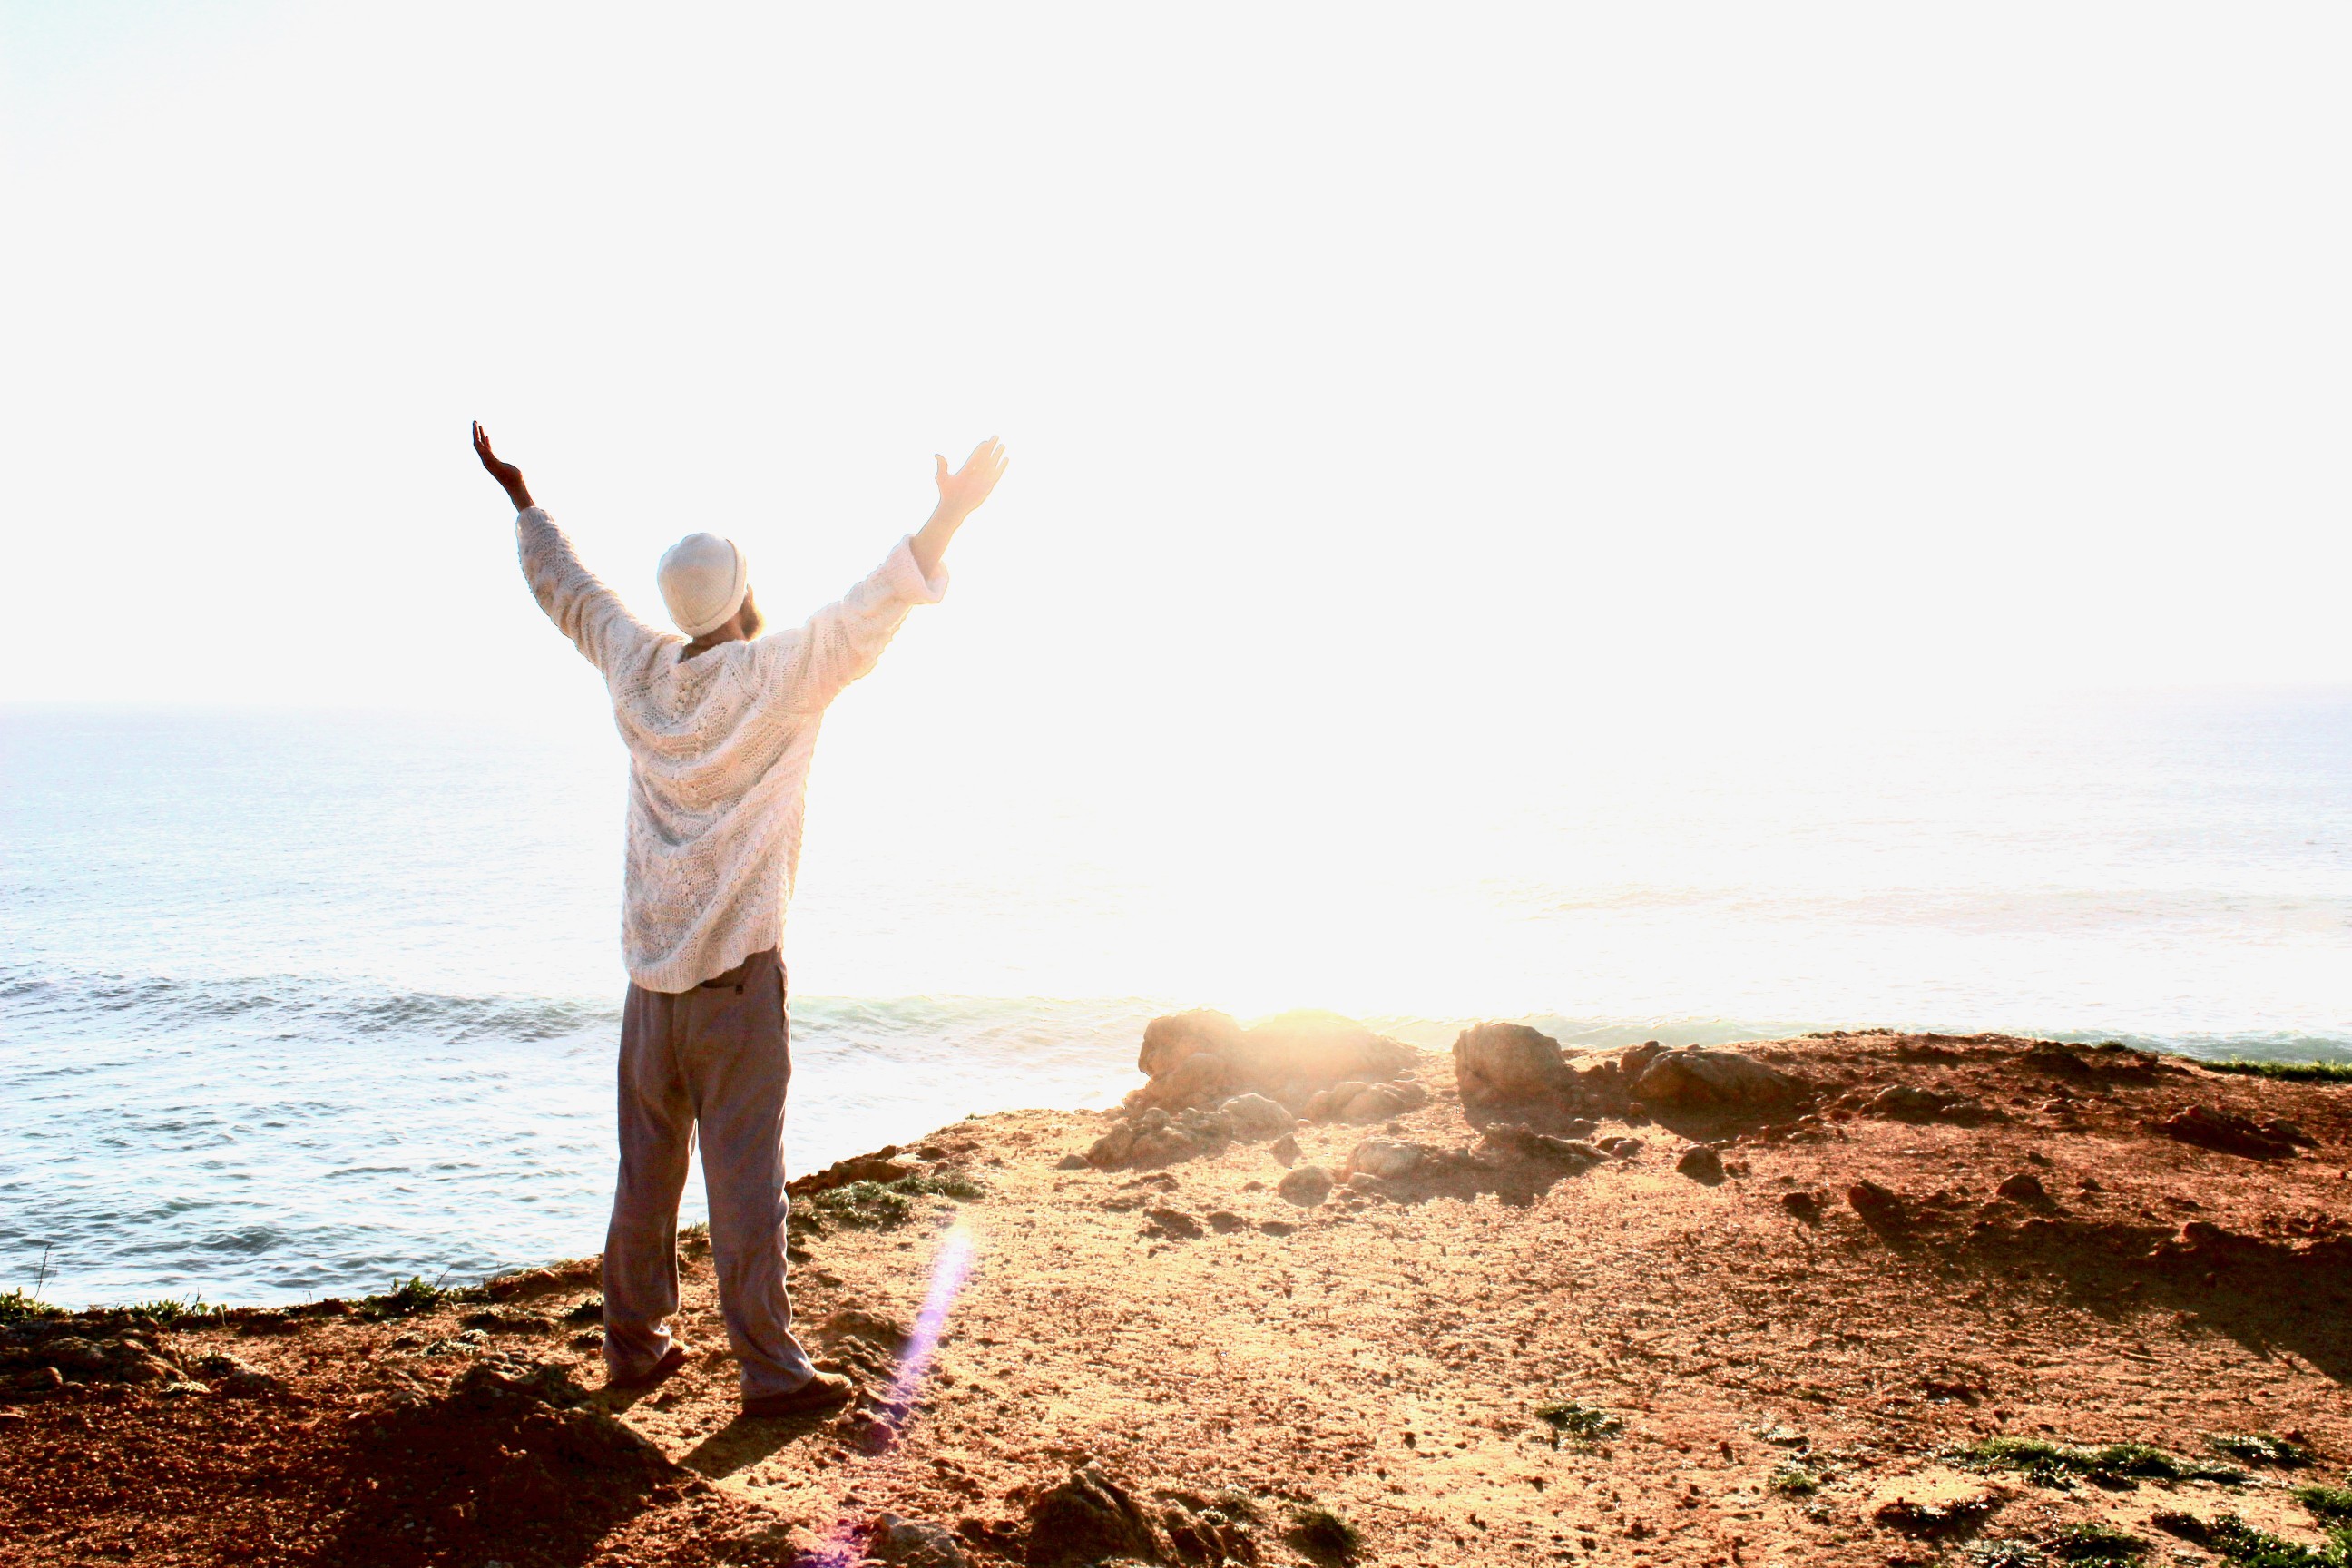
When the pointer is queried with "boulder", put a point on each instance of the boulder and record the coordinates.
(1255, 1116)
(1199, 1078)
(1386, 1158)
(2025, 1187)
(1880, 1208)
(1500, 1064)
(2225, 1131)
(1169, 1040)
(1305, 1186)
(1284, 1149)
(1701, 1164)
(1507, 1141)
(1693, 1079)
(1905, 1102)
(913, 1543)
(1111, 1151)
(1376, 1102)
(1086, 1519)
(1164, 1147)
(1321, 1047)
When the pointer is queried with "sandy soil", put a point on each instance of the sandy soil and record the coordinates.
(1190, 1333)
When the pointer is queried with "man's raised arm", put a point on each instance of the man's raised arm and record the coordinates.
(842, 641)
(581, 607)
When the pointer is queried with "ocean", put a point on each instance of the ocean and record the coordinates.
(293, 1005)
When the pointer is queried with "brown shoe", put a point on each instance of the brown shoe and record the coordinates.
(672, 1359)
(823, 1392)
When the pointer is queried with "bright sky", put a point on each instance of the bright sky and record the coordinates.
(1372, 376)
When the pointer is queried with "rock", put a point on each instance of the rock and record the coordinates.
(1365, 1184)
(1305, 1186)
(1502, 1064)
(525, 1282)
(1805, 1206)
(1506, 1142)
(238, 1379)
(1224, 1221)
(914, 1544)
(1169, 1040)
(1164, 1147)
(1255, 1116)
(1173, 1223)
(1086, 1519)
(2225, 1131)
(1111, 1151)
(1620, 1147)
(1320, 1047)
(1585, 1127)
(1633, 1060)
(1151, 1120)
(1904, 1102)
(2279, 1127)
(1701, 1164)
(1880, 1208)
(884, 1165)
(2025, 1187)
(1284, 1149)
(1199, 1079)
(1386, 1158)
(1693, 1079)
(1375, 1102)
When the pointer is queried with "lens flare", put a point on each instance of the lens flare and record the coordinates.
(950, 1268)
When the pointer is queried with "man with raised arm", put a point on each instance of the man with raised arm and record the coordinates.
(719, 723)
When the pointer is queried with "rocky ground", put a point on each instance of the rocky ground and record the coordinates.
(1317, 1297)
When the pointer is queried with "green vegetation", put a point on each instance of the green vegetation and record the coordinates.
(2241, 1545)
(168, 1312)
(18, 1306)
(1795, 1480)
(406, 1300)
(2290, 1072)
(2331, 1503)
(1319, 1532)
(882, 1205)
(2260, 1448)
(2097, 1543)
(2003, 1554)
(1574, 1418)
(2060, 1465)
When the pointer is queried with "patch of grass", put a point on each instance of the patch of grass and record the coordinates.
(2290, 1072)
(1795, 1480)
(2097, 1543)
(2260, 1448)
(884, 1206)
(1319, 1532)
(1574, 1418)
(2331, 1503)
(2059, 1465)
(2003, 1554)
(168, 1312)
(18, 1307)
(406, 1299)
(2241, 1545)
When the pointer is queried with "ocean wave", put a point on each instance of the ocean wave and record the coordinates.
(289, 1007)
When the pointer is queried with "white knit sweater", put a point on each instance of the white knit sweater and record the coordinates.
(718, 752)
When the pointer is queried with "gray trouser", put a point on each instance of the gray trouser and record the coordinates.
(720, 1056)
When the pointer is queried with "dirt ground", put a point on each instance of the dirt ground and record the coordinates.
(1194, 1336)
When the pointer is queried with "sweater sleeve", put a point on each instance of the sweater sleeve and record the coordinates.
(807, 667)
(581, 607)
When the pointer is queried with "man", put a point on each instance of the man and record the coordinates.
(719, 723)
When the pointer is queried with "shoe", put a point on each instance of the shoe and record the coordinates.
(823, 1392)
(672, 1359)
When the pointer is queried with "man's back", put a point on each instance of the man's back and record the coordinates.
(720, 746)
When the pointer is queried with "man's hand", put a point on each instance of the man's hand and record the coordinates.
(961, 493)
(511, 476)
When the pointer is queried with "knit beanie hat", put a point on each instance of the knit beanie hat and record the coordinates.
(703, 580)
